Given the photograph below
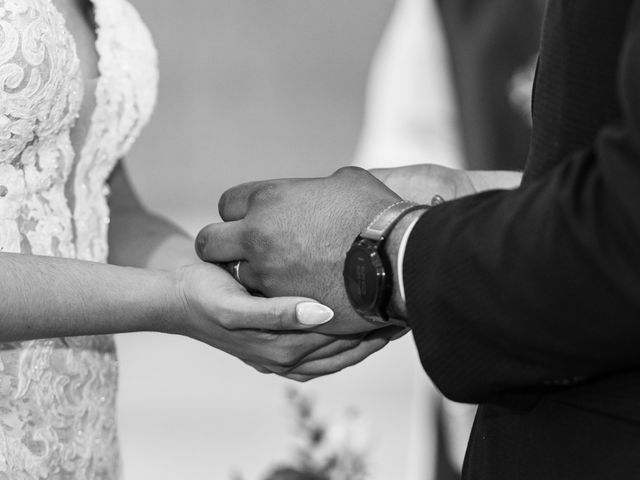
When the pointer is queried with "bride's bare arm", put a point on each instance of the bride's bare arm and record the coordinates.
(43, 297)
(140, 238)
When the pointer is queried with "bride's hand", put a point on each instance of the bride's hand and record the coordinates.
(311, 368)
(271, 334)
(420, 183)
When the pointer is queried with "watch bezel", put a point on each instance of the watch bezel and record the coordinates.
(373, 310)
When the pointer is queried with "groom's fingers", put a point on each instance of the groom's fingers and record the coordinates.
(234, 203)
(245, 275)
(220, 242)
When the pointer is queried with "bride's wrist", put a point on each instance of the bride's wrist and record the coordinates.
(482, 180)
(465, 184)
(169, 310)
(139, 300)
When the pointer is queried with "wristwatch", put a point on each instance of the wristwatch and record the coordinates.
(367, 270)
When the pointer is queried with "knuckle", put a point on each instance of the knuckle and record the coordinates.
(279, 317)
(300, 378)
(227, 320)
(262, 370)
(348, 171)
(264, 194)
(223, 202)
(286, 359)
(257, 241)
(269, 283)
(351, 344)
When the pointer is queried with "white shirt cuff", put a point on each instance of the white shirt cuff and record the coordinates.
(401, 251)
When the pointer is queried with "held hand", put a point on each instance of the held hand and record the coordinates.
(270, 334)
(371, 343)
(419, 183)
(292, 236)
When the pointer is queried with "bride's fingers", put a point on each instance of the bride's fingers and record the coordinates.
(327, 366)
(220, 242)
(259, 368)
(332, 349)
(367, 345)
(275, 314)
(289, 353)
(283, 352)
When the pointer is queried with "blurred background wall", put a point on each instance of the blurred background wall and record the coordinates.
(251, 89)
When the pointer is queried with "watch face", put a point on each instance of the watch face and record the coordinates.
(364, 277)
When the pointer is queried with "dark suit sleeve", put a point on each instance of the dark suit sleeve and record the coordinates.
(513, 291)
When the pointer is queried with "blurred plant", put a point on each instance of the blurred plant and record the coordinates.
(325, 451)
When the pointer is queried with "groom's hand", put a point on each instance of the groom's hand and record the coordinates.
(292, 236)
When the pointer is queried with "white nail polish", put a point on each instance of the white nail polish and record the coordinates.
(312, 313)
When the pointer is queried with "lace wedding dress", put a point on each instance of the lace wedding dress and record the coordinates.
(57, 397)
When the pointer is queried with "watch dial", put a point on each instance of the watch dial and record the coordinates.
(363, 273)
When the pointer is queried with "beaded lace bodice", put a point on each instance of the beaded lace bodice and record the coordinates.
(57, 397)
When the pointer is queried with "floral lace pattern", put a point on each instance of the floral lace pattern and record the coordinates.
(57, 397)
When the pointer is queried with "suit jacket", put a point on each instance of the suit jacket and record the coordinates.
(528, 301)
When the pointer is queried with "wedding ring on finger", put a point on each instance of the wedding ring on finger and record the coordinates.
(436, 200)
(247, 278)
(235, 271)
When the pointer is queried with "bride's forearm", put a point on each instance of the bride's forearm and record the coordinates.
(44, 297)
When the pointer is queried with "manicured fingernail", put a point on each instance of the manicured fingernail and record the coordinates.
(312, 313)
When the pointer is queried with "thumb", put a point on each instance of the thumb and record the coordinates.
(280, 313)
